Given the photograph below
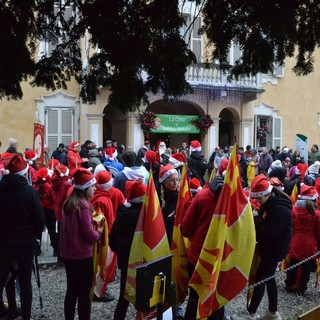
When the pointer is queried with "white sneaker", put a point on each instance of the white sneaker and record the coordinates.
(271, 316)
(246, 316)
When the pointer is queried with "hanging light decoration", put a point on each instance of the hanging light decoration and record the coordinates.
(203, 93)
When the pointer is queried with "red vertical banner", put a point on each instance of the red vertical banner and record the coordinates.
(38, 143)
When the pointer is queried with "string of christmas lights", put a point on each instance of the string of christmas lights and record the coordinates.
(203, 93)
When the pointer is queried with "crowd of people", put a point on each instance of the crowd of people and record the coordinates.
(89, 198)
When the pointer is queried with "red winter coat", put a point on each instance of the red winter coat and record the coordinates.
(306, 233)
(196, 222)
(60, 186)
(46, 194)
(74, 159)
(101, 201)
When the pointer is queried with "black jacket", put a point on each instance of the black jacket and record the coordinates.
(21, 213)
(198, 166)
(275, 230)
(122, 231)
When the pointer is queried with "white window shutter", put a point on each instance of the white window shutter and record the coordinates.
(277, 132)
(59, 126)
(196, 39)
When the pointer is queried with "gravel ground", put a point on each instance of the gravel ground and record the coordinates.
(53, 288)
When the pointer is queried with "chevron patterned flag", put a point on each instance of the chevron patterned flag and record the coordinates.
(222, 270)
(178, 247)
(99, 255)
(294, 194)
(150, 240)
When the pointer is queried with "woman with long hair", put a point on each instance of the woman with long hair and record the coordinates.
(77, 239)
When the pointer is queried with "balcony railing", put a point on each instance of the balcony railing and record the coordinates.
(213, 75)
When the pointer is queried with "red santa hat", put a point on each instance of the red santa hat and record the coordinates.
(135, 192)
(166, 171)
(195, 146)
(260, 186)
(307, 192)
(195, 185)
(30, 156)
(53, 163)
(302, 169)
(223, 166)
(82, 178)
(180, 157)
(111, 152)
(43, 174)
(14, 164)
(104, 179)
(150, 156)
(74, 145)
(61, 170)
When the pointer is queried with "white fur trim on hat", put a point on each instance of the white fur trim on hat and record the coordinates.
(22, 172)
(86, 185)
(314, 197)
(167, 174)
(261, 193)
(105, 185)
(196, 190)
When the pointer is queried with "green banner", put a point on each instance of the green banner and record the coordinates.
(172, 123)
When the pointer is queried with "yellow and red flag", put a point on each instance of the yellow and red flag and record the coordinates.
(150, 240)
(100, 249)
(222, 270)
(212, 175)
(294, 194)
(178, 247)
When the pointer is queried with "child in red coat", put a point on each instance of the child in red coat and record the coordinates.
(44, 188)
(60, 186)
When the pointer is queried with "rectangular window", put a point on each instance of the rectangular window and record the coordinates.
(59, 123)
(277, 132)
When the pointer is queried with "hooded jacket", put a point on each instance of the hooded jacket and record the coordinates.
(198, 166)
(122, 231)
(306, 232)
(274, 227)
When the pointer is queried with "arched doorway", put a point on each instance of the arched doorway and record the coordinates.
(172, 139)
(226, 127)
(114, 125)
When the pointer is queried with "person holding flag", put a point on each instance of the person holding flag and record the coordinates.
(222, 256)
(273, 224)
(121, 237)
(195, 225)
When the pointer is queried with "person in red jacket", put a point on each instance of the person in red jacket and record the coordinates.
(30, 156)
(195, 225)
(60, 185)
(73, 156)
(107, 199)
(44, 188)
(305, 239)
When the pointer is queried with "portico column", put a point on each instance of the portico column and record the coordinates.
(134, 136)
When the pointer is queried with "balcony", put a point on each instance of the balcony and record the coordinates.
(212, 76)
